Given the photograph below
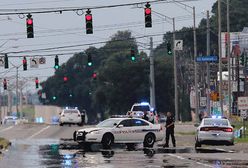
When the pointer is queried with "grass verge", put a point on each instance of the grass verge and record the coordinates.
(185, 133)
(4, 143)
(242, 140)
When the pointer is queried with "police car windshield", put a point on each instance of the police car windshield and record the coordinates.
(108, 123)
(70, 111)
(216, 122)
(141, 108)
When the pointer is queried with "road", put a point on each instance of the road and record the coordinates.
(40, 145)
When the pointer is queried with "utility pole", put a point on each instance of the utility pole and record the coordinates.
(208, 65)
(175, 71)
(17, 95)
(152, 80)
(229, 60)
(220, 56)
(195, 69)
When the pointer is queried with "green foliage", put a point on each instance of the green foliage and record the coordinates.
(120, 82)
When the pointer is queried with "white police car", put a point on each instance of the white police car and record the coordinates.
(120, 130)
(138, 110)
(70, 116)
(214, 131)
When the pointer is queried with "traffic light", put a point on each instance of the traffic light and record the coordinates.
(36, 83)
(65, 78)
(242, 59)
(54, 97)
(148, 15)
(88, 20)
(24, 63)
(30, 28)
(4, 84)
(6, 61)
(90, 60)
(133, 58)
(56, 62)
(94, 76)
(169, 51)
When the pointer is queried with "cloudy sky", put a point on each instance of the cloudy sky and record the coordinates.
(68, 28)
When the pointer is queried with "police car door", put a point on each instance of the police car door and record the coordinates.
(123, 131)
(140, 129)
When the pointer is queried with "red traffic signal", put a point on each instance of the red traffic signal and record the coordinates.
(148, 15)
(30, 27)
(65, 78)
(36, 83)
(148, 11)
(94, 75)
(89, 24)
(24, 63)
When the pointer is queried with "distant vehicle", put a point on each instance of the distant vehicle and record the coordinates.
(214, 131)
(70, 116)
(140, 109)
(120, 130)
(10, 120)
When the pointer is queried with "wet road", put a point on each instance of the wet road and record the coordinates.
(42, 146)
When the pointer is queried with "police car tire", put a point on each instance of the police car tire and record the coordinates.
(149, 140)
(197, 144)
(61, 124)
(130, 146)
(107, 140)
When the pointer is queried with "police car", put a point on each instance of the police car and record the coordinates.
(214, 131)
(138, 110)
(120, 130)
(70, 116)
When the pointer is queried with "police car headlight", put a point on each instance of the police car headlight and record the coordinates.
(95, 132)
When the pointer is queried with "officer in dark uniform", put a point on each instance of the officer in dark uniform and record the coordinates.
(145, 117)
(170, 129)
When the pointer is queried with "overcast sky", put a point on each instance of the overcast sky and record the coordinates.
(68, 28)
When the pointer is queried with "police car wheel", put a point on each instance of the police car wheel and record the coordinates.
(149, 140)
(107, 140)
(197, 144)
(61, 124)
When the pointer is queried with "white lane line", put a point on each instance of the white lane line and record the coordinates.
(182, 158)
(6, 129)
(37, 133)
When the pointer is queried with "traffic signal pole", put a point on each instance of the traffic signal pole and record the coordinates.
(152, 78)
(208, 65)
(229, 61)
(220, 56)
(175, 71)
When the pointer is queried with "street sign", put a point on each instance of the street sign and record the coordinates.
(203, 101)
(243, 103)
(212, 58)
(34, 62)
(243, 113)
(1, 61)
(178, 45)
(42, 60)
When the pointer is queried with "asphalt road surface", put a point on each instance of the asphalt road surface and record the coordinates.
(51, 146)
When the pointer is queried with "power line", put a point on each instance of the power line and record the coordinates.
(66, 9)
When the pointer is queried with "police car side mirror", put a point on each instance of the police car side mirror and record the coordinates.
(120, 126)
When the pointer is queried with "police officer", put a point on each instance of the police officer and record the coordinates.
(145, 117)
(170, 129)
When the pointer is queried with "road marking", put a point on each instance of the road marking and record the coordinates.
(37, 133)
(6, 129)
(182, 158)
